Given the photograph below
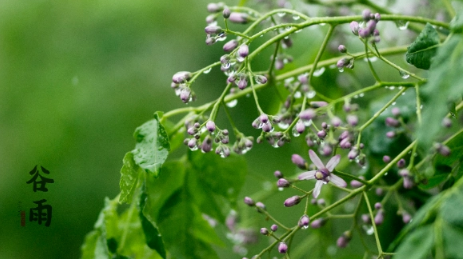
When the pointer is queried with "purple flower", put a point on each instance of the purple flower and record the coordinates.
(231, 45)
(324, 173)
(238, 17)
(291, 201)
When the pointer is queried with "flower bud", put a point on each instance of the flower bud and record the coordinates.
(447, 122)
(299, 161)
(206, 146)
(352, 120)
(317, 223)
(401, 163)
(342, 241)
(229, 46)
(406, 218)
(278, 174)
(213, 29)
(260, 205)
(282, 248)
(238, 17)
(366, 218)
(307, 114)
(260, 79)
(264, 231)
(366, 14)
(274, 227)
(379, 218)
(248, 201)
(391, 122)
(342, 49)
(215, 7)
(378, 205)
(386, 159)
(354, 26)
(181, 77)
(395, 111)
(282, 182)
(243, 51)
(226, 12)
(210, 126)
(390, 134)
(356, 184)
(304, 221)
(291, 201)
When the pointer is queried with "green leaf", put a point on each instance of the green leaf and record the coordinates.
(186, 233)
(416, 245)
(89, 245)
(453, 241)
(445, 84)
(424, 48)
(152, 146)
(456, 25)
(129, 178)
(215, 182)
(451, 208)
(152, 235)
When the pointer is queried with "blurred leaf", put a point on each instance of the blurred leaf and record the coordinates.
(451, 208)
(416, 245)
(445, 83)
(152, 146)
(129, 178)
(424, 48)
(453, 241)
(456, 25)
(184, 230)
(159, 190)
(215, 182)
(89, 245)
(152, 235)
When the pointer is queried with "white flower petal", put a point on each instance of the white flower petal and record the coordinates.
(317, 162)
(334, 161)
(317, 189)
(309, 175)
(338, 181)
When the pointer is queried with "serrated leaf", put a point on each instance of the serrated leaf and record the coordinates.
(129, 177)
(152, 235)
(152, 146)
(445, 84)
(215, 182)
(416, 245)
(424, 48)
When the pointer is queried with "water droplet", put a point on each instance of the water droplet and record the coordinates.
(283, 125)
(341, 69)
(372, 59)
(232, 103)
(368, 229)
(240, 59)
(295, 133)
(207, 70)
(394, 103)
(281, 14)
(402, 25)
(296, 17)
(305, 227)
(322, 24)
(404, 74)
(297, 95)
(307, 123)
(319, 72)
(361, 95)
(310, 94)
(280, 189)
(391, 87)
(298, 31)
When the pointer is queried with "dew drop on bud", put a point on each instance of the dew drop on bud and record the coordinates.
(232, 103)
(207, 70)
(402, 25)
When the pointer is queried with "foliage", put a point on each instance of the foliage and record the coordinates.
(399, 148)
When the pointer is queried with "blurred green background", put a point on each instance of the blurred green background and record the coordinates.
(76, 79)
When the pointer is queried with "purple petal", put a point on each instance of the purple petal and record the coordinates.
(338, 181)
(334, 161)
(309, 175)
(317, 162)
(317, 189)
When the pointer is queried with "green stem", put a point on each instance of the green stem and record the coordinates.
(320, 51)
(365, 42)
(376, 115)
(372, 218)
